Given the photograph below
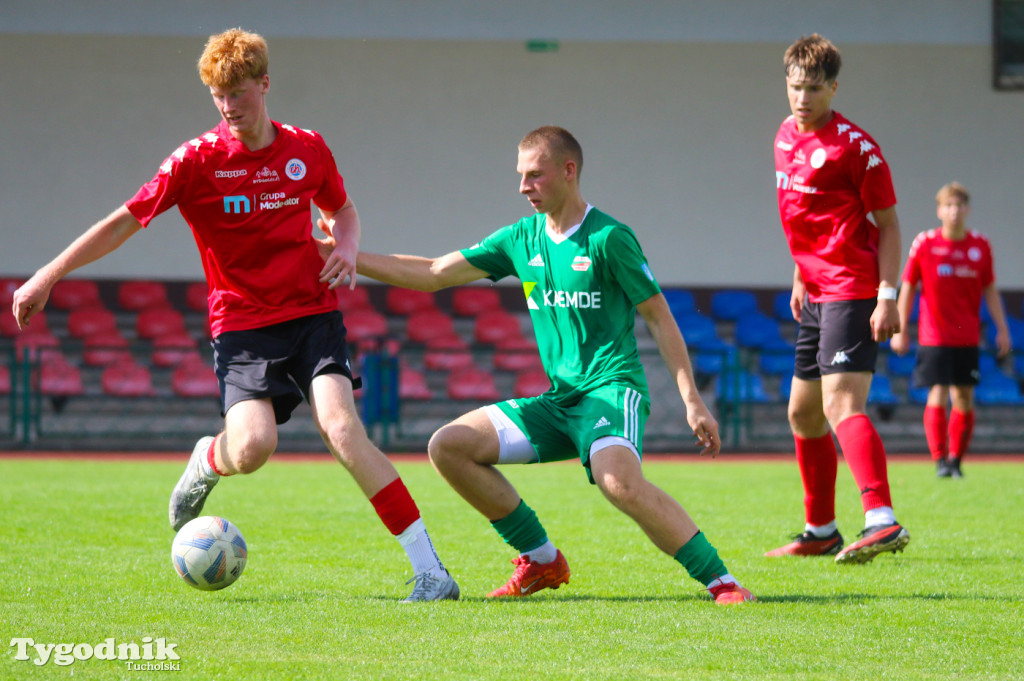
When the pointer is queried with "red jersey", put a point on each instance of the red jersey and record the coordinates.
(953, 275)
(828, 181)
(250, 214)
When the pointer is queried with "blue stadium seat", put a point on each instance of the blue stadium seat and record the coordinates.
(780, 307)
(776, 363)
(746, 387)
(730, 306)
(760, 332)
(896, 365)
(918, 395)
(698, 329)
(680, 301)
(881, 391)
(998, 389)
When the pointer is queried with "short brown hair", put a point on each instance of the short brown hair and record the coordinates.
(558, 141)
(232, 57)
(815, 55)
(953, 189)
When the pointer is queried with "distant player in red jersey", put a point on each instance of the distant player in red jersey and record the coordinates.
(245, 189)
(954, 268)
(831, 176)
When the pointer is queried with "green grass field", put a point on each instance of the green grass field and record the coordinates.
(85, 556)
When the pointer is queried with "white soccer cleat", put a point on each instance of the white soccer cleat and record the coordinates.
(431, 587)
(193, 487)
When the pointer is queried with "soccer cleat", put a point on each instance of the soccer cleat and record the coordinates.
(808, 544)
(954, 468)
(730, 594)
(943, 469)
(875, 540)
(530, 577)
(430, 587)
(193, 487)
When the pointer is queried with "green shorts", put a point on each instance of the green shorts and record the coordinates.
(559, 432)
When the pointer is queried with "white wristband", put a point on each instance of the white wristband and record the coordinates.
(887, 293)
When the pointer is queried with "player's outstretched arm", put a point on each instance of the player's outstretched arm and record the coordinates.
(416, 272)
(102, 238)
(666, 334)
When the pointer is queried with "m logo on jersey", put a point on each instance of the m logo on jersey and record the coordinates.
(237, 204)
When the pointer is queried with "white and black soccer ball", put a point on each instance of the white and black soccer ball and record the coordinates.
(209, 553)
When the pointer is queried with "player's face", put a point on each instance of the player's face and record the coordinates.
(542, 180)
(810, 99)
(243, 106)
(952, 212)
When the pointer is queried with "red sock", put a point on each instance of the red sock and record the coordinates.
(395, 507)
(865, 455)
(935, 428)
(211, 457)
(818, 462)
(961, 427)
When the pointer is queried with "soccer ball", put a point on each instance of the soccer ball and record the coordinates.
(209, 553)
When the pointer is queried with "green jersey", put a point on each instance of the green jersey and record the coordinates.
(582, 293)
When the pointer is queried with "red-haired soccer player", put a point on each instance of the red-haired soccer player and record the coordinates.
(831, 176)
(245, 189)
(955, 270)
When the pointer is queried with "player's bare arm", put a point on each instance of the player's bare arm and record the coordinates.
(900, 342)
(339, 251)
(885, 320)
(796, 299)
(417, 272)
(995, 307)
(666, 334)
(105, 236)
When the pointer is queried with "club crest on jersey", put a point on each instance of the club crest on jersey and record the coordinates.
(295, 169)
(581, 263)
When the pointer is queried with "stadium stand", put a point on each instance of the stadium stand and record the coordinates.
(495, 326)
(194, 378)
(71, 294)
(90, 319)
(153, 322)
(127, 379)
(403, 302)
(136, 295)
(412, 384)
(350, 299)
(472, 383)
(428, 324)
(469, 301)
(731, 305)
(516, 353)
(531, 382)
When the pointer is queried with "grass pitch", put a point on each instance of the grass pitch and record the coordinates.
(85, 556)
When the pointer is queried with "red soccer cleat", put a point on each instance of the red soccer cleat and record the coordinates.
(877, 539)
(730, 594)
(530, 577)
(807, 544)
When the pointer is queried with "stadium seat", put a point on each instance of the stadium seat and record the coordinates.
(469, 301)
(759, 332)
(35, 345)
(776, 363)
(412, 385)
(9, 325)
(153, 322)
(680, 301)
(918, 395)
(194, 378)
(89, 319)
(170, 350)
(70, 294)
(699, 330)
(5, 380)
(516, 354)
(197, 297)
(531, 382)
(447, 353)
(364, 325)
(495, 326)
(746, 387)
(404, 301)
(353, 299)
(137, 295)
(708, 363)
(730, 306)
(881, 391)
(105, 347)
(896, 365)
(8, 286)
(780, 307)
(423, 326)
(127, 379)
(60, 378)
(998, 389)
(471, 383)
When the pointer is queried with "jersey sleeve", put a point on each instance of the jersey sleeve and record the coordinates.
(493, 254)
(629, 266)
(332, 195)
(165, 190)
(912, 270)
(988, 273)
(871, 175)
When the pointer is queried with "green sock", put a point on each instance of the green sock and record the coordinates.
(520, 529)
(701, 560)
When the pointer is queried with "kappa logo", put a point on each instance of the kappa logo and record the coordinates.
(840, 358)
(536, 261)
(601, 423)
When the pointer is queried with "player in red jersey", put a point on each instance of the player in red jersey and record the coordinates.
(831, 176)
(954, 268)
(245, 189)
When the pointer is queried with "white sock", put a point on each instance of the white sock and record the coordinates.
(543, 554)
(724, 579)
(821, 531)
(416, 542)
(882, 515)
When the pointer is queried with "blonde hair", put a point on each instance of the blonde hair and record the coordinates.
(815, 56)
(953, 189)
(558, 141)
(232, 57)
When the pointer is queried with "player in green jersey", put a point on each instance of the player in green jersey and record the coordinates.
(584, 276)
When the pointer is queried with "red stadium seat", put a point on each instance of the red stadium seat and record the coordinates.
(9, 325)
(531, 383)
(353, 299)
(197, 297)
(426, 325)
(90, 319)
(35, 345)
(70, 294)
(364, 325)
(516, 354)
(469, 301)
(171, 349)
(495, 326)
(447, 353)
(8, 287)
(140, 294)
(105, 347)
(153, 322)
(412, 385)
(5, 380)
(471, 383)
(127, 379)
(59, 378)
(195, 378)
(404, 301)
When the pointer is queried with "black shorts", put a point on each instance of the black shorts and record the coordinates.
(280, 361)
(835, 338)
(946, 365)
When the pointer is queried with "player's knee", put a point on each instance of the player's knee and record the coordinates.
(450, 446)
(248, 453)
